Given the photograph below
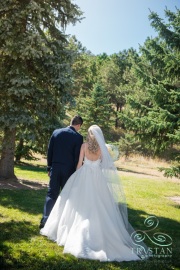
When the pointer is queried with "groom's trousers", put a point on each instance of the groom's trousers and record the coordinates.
(59, 175)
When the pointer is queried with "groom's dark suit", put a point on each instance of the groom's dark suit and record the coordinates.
(63, 155)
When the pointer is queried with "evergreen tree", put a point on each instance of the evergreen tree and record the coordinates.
(80, 67)
(115, 77)
(96, 109)
(35, 73)
(154, 116)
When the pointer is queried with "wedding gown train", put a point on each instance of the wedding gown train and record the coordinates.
(86, 221)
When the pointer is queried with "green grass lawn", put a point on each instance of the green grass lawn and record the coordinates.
(22, 247)
(33, 172)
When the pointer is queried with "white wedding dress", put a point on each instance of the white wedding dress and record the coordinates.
(86, 220)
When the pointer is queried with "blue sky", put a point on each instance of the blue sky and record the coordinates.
(114, 25)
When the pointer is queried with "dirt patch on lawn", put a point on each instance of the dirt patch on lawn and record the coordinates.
(21, 184)
(175, 199)
(141, 167)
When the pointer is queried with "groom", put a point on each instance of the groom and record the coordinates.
(62, 158)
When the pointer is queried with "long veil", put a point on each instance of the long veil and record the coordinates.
(111, 174)
(116, 188)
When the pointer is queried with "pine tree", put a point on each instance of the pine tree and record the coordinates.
(96, 109)
(154, 115)
(115, 77)
(35, 73)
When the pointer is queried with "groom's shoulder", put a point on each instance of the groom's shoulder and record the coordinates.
(60, 130)
(63, 131)
(80, 136)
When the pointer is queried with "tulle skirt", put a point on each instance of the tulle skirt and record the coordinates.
(86, 221)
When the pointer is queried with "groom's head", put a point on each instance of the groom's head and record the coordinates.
(77, 122)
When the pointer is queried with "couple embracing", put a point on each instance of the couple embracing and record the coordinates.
(85, 217)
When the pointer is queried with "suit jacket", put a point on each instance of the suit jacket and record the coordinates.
(64, 148)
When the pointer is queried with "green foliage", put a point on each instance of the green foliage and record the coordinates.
(154, 115)
(24, 151)
(129, 145)
(173, 171)
(35, 66)
(86, 68)
(168, 32)
(96, 109)
(115, 75)
(81, 67)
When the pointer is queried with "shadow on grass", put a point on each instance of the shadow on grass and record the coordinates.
(16, 231)
(66, 262)
(30, 201)
(30, 167)
(42, 257)
(135, 172)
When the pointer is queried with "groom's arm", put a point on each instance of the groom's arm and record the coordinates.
(77, 150)
(81, 156)
(50, 153)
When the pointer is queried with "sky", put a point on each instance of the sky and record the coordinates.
(111, 26)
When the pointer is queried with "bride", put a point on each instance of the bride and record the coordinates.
(86, 218)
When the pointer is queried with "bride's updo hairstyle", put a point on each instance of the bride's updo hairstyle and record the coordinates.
(93, 145)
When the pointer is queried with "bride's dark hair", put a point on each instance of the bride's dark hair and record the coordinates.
(93, 145)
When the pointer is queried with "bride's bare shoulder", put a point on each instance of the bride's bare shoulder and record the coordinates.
(84, 144)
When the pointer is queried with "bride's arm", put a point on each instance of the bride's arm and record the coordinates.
(81, 156)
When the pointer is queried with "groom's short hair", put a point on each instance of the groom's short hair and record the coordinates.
(76, 120)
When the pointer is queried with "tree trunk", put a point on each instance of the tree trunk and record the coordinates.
(117, 120)
(19, 149)
(7, 154)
